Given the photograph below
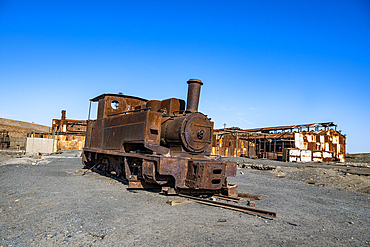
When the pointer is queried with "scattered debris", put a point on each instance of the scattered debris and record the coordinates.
(353, 175)
(249, 196)
(90, 169)
(311, 181)
(257, 166)
(174, 203)
(82, 170)
(101, 237)
(293, 224)
(248, 210)
(252, 203)
(227, 198)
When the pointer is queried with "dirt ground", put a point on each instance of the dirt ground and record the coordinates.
(353, 175)
(45, 201)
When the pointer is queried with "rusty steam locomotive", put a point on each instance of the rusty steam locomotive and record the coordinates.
(156, 144)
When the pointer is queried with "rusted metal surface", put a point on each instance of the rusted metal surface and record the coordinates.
(69, 133)
(175, 167)
(249, 196)
(231, 190)
(137, 127)
(156, 143)
(70, 142)
(296, 128)
(321, 141)
(172, 106)
(227, 198)
(205, 175)
(4, 139)
(116, 103)
(63, 115)
(154, 105)
(140, 184)
(193, 95)
(194, 134)
(244, 209)
(230, 169)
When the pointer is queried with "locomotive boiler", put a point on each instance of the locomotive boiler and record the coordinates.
(156, 144)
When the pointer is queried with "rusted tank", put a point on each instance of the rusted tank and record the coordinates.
(157, 144)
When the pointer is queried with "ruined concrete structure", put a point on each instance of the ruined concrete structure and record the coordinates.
(69, 133)
(320, 142)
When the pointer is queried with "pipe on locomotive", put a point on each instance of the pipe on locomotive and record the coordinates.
(193, 95)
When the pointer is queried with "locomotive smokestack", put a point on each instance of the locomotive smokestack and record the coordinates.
(63, 115)
(193, 95)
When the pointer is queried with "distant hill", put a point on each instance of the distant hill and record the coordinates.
(20, 128)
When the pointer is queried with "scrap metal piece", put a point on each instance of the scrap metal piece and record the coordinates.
(244, 209)
(101, 237)
(231, 190)
(227, 198)
(249, 196)
(174, 203)
(168, 191)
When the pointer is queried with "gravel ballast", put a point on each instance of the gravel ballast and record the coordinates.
(47, 202)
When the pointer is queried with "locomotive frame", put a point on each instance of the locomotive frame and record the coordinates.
(156, 144)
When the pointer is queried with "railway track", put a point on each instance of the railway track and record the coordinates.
(235, 207)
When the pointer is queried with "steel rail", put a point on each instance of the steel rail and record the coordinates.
(227, 198)
(244, 209)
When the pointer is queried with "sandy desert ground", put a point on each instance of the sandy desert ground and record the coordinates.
(44, 201)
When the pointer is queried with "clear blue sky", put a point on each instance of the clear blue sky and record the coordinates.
(263, 63)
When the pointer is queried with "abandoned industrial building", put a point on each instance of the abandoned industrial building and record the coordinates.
(69, 133)
(34, 138)
(320, 142)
